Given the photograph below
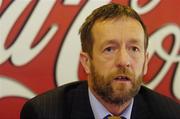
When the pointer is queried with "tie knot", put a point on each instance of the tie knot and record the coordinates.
(113, 117)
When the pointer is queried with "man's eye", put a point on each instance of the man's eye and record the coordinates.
(109, 49)
(135, 49)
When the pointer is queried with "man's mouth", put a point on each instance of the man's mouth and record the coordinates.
(122, 78)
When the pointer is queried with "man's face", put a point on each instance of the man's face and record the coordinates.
(118, 59)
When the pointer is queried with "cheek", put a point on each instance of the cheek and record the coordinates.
(103, 66)
(137, 66)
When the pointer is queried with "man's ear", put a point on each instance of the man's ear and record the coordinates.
(146, 63)
(85, 61)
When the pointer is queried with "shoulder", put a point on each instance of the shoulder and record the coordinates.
(158, 104)
(152, 96)
(46, 103)
(61, 91)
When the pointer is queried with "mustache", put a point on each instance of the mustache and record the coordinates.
(123, 72)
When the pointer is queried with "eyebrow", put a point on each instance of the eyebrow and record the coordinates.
(113, 41)
(134, 41)
(109, 42)
(137, 42)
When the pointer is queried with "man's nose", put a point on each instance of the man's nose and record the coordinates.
(123, 58)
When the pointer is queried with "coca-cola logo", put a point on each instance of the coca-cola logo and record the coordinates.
(40, 45)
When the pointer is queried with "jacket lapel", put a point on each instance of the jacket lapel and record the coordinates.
(80, 105)
(140, 107)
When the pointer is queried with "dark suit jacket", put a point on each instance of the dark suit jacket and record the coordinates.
(71, 101)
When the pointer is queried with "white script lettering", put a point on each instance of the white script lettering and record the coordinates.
(21, 51)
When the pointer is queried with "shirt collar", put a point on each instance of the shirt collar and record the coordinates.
(100, 111)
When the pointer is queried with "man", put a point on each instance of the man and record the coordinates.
(114, 56)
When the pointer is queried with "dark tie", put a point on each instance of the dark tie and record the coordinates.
(113, 117)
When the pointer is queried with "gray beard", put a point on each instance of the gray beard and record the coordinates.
(106, 92)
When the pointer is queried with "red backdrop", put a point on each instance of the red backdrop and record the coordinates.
(40, 45)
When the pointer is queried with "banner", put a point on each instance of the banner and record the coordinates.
(40, 46)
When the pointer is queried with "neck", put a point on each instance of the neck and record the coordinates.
(114, 109)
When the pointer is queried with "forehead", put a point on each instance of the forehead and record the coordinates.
(120, 29)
